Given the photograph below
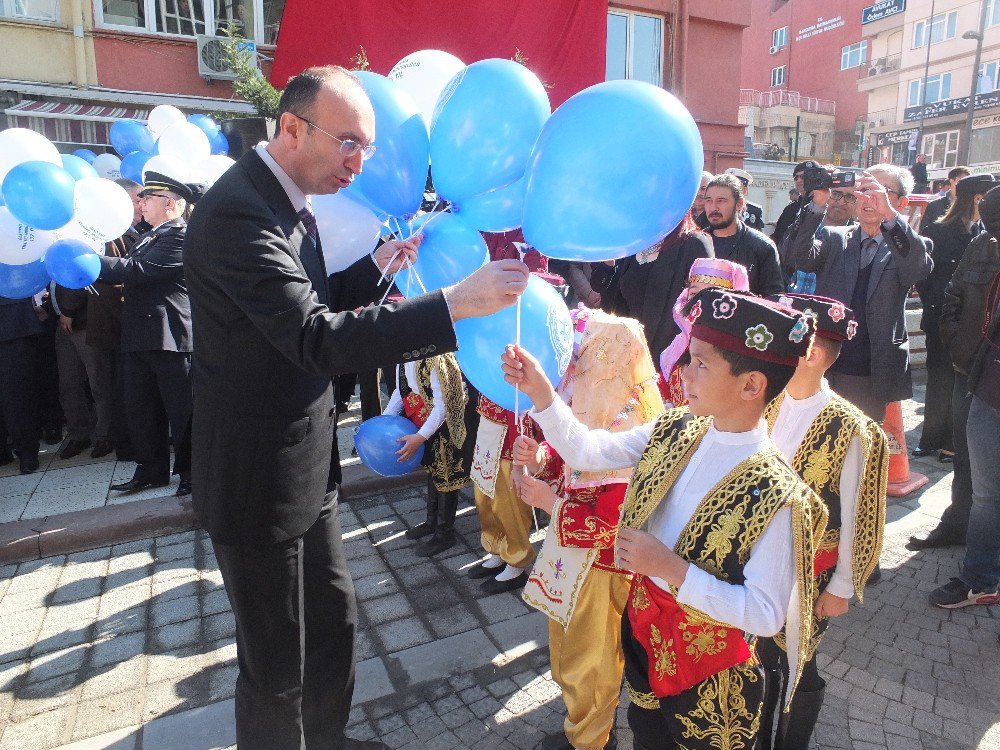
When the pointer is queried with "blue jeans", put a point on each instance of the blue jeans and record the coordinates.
(981, 569)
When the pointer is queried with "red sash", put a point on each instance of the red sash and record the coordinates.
(824, 560)
(681, 650)
(415, 409)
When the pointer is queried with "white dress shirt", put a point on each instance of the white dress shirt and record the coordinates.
(437, 416)
(761, 603)
(793, 420)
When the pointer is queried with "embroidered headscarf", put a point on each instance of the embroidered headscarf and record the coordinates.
(711, 271)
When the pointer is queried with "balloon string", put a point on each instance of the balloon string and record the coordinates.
(385, 271)
(517, 389)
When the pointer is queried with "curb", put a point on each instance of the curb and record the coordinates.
(81, 530)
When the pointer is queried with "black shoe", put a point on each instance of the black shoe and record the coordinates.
(6, 457)
(29, 464)
(555, 741)
(52, 435)
(184, 488)
(419, 531)
(493, 586)
(875, 577)
(352, 744)
(935, 538)
(137, 483)
(73, 448)
(955, 594)
(921, 452)
(101, 449)
(481, 571)
(436, 544)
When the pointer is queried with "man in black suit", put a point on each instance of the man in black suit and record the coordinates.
(156, 337)
(267, 345)
(19, 328)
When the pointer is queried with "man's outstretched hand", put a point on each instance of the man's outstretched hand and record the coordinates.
(490, 289)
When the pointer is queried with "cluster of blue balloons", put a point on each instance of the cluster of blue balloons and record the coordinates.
(136, 143)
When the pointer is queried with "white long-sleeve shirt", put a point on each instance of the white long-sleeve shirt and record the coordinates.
(757, 606)
(437, 416)
(790, 426)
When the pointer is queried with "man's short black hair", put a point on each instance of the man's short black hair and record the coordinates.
(777, 375)
(301, 90)
(727, 181)
(831, 347)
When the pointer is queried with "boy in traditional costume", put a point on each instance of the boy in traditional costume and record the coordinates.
(611, 385)
(433, 395)
(843, 456)
(730, 529)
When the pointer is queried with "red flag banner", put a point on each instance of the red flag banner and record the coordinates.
(562, 41)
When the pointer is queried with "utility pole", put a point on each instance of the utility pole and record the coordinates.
(965, 142)
(923, 85)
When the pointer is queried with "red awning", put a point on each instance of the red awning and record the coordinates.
(564, 41)
(70, 124)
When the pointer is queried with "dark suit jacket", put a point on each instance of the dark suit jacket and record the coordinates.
(265, 352)
(156, 314)
(902, 260)
(18, 319)
(934, 211)
(651, 289)
(755, 252)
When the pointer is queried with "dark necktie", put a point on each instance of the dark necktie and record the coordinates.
(868, 247)
(313, 261)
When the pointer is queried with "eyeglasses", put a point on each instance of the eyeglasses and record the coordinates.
(838, 195)
(348, 147)
(153, 195)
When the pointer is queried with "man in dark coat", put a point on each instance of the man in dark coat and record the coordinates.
(267, 346)
(19, 327)
(919, 172)
(156, 338)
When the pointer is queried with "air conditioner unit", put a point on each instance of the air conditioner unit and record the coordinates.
(774, 49)
(212, 57)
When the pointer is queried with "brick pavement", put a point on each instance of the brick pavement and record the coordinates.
(132, 647)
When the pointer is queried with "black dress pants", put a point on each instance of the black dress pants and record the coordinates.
(296, 617)
(936, 432)
(17, 383)
(955, 519)
(158, 405)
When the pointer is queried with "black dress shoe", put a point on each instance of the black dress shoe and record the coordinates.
(29, 464)
(52, 435)
(139, 483)
(921, 452)
(101, 449)
(73, 448)
(184, 488)
(352, 744)
(481, 571)
(493, 586)
(935, 538)
(558, 741)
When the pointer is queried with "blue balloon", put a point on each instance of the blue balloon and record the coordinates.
(485, 124)
(615, 169)
(496, 211)
(86, 154)
(206, 124)
(132, 165)
(72, 264)
(130, 135)
(451, 251)
(77, 167)
(546, 332)
(40, 194)
(394, 178)
(21, 282)
(220, 144)
(377, 440)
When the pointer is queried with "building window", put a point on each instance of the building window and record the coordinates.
(779, 37)
(778, 76)
(992, 13)
(937, 29)
(984, 146)
(258, 20)
(900, 154)
(988, 77)
(33, 10)
(635, 47)
(941, 149)
(854, 55)
(938, 89)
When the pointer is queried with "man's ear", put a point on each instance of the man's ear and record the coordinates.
(903, 202)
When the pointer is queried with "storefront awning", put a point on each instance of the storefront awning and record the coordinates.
(70, 124)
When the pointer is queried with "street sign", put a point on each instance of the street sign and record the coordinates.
(882, 9)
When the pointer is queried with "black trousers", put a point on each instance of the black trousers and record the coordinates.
(47, 407)
(158, 405)
(955, 519)
(296, 617)
(936, 432)
(17, 383)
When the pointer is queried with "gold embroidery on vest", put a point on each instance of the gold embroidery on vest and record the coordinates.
(703, 640)
(640, 599)
(664, 658)
(722, 720)
(642, 700)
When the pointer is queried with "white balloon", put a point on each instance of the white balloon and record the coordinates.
(162, 117)
(18, 145)
(209, 170)
(184, 141)
(423, 75)
(108, 166)
(87, 235)
(171, 166)
(347, 230)
(20, 243)
(103, 209)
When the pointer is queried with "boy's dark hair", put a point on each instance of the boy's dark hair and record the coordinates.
(831, 347)
(777, 375)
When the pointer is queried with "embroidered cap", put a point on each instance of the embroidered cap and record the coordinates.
(834, 320)
(752, 326)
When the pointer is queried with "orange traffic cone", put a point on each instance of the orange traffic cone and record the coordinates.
(901, 480)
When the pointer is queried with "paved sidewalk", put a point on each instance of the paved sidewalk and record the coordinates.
(131, 647)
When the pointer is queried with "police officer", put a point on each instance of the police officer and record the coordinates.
(753, 215)
(156, 336)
